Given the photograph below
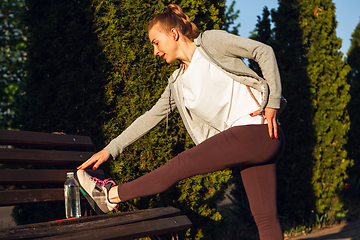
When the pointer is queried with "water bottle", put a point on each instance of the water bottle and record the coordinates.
(72, 197)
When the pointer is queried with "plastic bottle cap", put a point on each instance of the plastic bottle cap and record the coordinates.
(70, 174)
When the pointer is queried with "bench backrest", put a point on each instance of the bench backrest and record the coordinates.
(34, 148)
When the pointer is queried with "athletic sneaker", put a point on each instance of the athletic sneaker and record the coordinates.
(96, 192)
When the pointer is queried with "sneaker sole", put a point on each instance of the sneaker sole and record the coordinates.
(90, 200)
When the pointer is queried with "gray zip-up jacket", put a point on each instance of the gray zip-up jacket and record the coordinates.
(225, 51)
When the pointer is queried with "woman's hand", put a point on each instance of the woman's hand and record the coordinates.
(270, 115)
(96, 160)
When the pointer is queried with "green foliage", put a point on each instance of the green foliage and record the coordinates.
(329, 89)
(229, 19)
(136, 80)
(65, 75)
(313, 167)
(12, 58)
(90, 71)
(295, 166)
(66, 72)
(353, 146)
(262, 33)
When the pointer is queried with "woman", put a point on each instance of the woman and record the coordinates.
(218, 98)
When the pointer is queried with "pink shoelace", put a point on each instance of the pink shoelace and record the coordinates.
(102, 182)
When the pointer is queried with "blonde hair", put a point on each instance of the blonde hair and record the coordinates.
(174, 17)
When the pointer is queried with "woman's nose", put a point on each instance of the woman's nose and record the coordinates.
(155, 51)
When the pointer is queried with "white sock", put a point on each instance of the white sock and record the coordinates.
(114, 195)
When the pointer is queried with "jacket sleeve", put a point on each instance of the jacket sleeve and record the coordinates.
(233, 46)
(143, 124)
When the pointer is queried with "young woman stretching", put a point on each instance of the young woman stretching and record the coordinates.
(228, 110)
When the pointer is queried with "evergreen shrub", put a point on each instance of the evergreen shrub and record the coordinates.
(353, 59)
(135, 82)
(65, 74)
(351, 190)
(12, 59)
(313, 168)
(91, 71)
(65, 71)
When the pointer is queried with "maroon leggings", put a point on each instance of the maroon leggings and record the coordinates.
(248, 147)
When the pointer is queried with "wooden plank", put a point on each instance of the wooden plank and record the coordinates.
(84, 224)
(43, 157)
(39, 176)
(103, 220)
(15, 197)
(25, 138)
(131, 231)
(29, 196)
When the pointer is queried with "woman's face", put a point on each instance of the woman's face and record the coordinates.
(165, 44)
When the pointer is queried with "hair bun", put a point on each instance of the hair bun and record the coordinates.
(174, 17)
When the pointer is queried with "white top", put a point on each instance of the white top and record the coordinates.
(230, 106)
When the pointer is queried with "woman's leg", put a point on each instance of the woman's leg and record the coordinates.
(239, 146)
(260, 186)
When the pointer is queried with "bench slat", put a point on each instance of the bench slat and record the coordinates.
(37, 139)
(95, 222)
(38, 176)
(133, 230)
(16, 197)
(43, 157)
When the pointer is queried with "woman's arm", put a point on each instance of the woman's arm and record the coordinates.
(228, 49)
(136, 130)
(142, 124)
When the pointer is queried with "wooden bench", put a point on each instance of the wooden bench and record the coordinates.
(49, 150)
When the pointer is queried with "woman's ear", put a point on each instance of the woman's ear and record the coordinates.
(175, 34)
